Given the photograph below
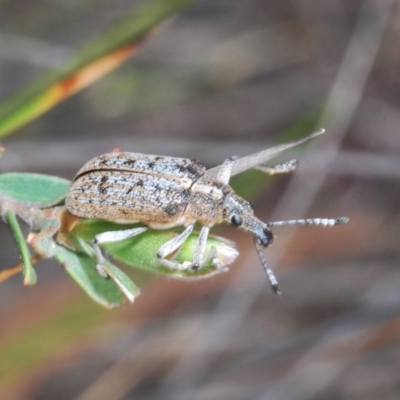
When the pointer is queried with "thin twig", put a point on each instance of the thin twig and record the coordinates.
(15, 269)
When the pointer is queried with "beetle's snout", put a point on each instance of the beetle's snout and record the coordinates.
(265, 237)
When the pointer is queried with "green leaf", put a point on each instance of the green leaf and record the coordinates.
(83, 270)
(35, 189)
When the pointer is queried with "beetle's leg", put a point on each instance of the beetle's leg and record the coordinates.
(200, 248)
(174, 265)
(198, 257)
(288, 166)
(198, 253)
(172, 245)
(224, 173)
(213, 257)
(110, 237)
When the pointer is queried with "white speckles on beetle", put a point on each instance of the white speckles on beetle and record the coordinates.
(164, 192)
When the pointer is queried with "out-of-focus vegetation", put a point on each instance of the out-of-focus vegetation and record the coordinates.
(221, 79)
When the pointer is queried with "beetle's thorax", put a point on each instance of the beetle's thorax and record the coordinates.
(206, 203)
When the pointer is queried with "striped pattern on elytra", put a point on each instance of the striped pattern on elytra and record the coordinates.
(124, 197)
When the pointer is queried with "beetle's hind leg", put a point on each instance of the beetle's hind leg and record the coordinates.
(288, 166)
(224, 173)
(110, 237)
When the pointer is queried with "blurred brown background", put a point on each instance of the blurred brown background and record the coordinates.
(222, 78)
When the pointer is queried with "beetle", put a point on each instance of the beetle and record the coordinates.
(162, 192)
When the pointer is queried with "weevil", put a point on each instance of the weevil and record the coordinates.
(162, 192)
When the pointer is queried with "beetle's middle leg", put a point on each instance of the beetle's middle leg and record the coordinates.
(110, 237)
(168, 248)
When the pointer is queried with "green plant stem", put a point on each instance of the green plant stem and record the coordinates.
(28, 271)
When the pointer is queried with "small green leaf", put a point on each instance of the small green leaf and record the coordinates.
(35, 189)
(83, 270)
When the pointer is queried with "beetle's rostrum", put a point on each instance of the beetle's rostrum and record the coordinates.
(163, 192)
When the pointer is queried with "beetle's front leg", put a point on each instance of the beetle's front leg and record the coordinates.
(110, 237)
(199, 250)
(198, 255)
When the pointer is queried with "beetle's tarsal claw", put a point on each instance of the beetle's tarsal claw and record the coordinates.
(195, 267)
(102, 272)
(271, 276)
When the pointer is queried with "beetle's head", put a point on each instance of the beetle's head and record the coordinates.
(239, 212)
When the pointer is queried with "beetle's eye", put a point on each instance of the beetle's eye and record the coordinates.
(236, 220)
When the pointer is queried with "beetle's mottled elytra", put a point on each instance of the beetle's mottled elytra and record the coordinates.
(133, 187)
(163, 192)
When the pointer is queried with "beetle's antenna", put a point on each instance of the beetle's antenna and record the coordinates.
(268, 270)
(308, 221)
(311, 221)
